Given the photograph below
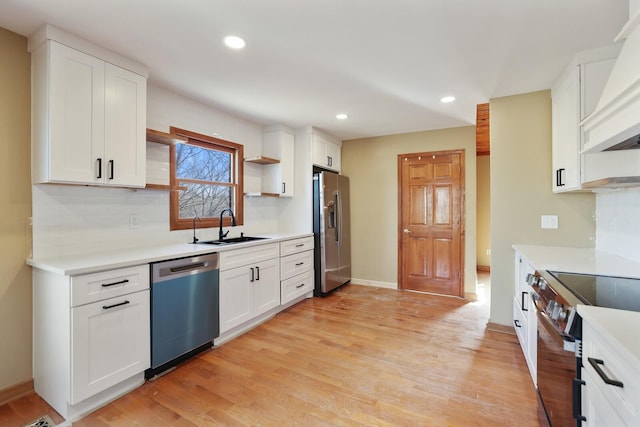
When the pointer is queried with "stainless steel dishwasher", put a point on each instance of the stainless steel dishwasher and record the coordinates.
(185, 299)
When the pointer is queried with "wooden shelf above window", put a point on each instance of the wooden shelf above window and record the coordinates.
(164, 138)
(164, 187)
(261, 160)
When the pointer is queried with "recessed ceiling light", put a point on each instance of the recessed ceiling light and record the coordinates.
(342, 116)
(447, 99)
(234, 42)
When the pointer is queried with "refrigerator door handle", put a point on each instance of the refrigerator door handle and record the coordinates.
(338, 215)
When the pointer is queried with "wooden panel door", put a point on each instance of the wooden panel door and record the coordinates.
(430, 230)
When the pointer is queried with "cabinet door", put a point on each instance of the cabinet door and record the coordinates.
(566, 133)
(110, 343)
(595, 407)
(125, 124)
(235, 297)
(334, 155)
(319, 151)
(286, 165)
(266, 286)
(76, 116)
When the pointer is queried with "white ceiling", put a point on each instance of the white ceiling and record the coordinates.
(386, 63)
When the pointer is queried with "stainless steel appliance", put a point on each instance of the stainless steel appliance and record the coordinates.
(332, 231)
(556, 295)
(185, 299)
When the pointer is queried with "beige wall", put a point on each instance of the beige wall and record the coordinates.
(483, 211)
(521, 193)
(371, 165)
(15, 210)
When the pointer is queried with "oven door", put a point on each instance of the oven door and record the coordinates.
(557, 368)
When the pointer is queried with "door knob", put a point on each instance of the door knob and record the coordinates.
(406, 230)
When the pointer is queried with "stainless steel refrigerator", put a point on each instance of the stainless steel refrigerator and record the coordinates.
(332, 231)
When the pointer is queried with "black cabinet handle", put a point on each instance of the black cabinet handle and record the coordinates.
(299, 264)
(300, 286)
(253, 275)
(99, 161)
(517, 323)
(522, 303)
(257, 273)
(284, 187)
(111, 162)
(106, 285)
(596, 365)
(577, 399)
(559, 182)
(299, 245)
(107, 307)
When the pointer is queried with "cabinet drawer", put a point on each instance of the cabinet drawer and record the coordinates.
(294, 287)
(294, 246)
(245, 256)
(295, 264)
(108, 284)
(624, 400)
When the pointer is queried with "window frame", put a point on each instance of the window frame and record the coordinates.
(237, 152)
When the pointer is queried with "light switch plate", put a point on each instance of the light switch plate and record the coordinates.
(549, 221)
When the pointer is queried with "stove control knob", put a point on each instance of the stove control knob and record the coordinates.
(558, 311)
(542, 283)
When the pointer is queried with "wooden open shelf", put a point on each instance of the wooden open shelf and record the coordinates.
(261, 195)
(261, 160)
(164, 187)
(164, 138)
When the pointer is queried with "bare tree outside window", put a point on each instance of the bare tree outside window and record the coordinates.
(206, 200)
(206, 174)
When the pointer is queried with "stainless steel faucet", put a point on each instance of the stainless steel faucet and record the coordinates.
(222, 235)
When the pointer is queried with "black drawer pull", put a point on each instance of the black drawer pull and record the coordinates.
(99, 167)
(300, 286)
(111, 175)
(517, 323)
(299, 245)
(107, 307)
(106, 285)
(596, 365)
(299, 264)
(257, 273)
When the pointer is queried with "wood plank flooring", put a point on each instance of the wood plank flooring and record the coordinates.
(361, 357)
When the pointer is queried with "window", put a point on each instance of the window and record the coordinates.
(208, 172)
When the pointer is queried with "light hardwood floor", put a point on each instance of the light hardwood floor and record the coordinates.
(362, 356)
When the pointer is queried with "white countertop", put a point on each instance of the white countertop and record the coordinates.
(617, 327)
(578, 260)
(72, 265)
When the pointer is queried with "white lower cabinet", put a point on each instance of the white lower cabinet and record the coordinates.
(251, 289)
(610, 397)
(525, 322)
(110, 343)
(296, 268)
(91, 337)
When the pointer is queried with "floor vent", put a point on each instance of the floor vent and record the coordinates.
(43, 421)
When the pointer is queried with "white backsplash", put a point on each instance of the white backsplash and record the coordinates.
(69, 220)
(618, 223)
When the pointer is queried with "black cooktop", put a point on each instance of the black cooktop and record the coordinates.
(604, 291)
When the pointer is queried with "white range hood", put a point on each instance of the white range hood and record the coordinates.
(616, 118)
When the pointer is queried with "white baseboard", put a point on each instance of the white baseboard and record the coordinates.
(374, 283)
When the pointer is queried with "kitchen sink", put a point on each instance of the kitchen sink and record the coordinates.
(232, 240)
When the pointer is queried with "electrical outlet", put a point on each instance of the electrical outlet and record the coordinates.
(488, 252)
(549, 221)
(134, 221)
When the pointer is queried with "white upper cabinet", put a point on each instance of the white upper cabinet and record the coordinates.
(278, 177)
(575, 96)
(89, 119)
(325, 152)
